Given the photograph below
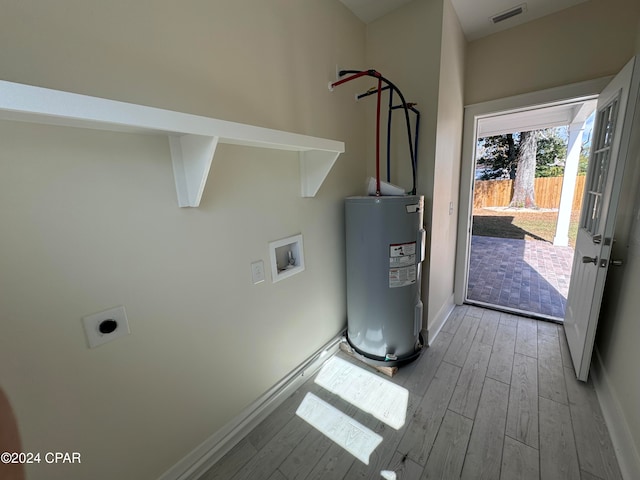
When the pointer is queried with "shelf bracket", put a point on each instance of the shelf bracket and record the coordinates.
(191, 156)
(314, 168)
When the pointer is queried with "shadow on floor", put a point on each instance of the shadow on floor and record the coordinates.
(500, 226)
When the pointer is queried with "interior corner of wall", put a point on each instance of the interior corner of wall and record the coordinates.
(435, 324)
(626, 450)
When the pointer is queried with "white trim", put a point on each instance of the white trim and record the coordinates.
(623, 444)
(515, 311)
(472, 113)
(205, 455)
(440, 319)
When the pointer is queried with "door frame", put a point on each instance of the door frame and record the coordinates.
(472, 114)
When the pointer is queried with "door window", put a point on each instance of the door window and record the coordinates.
(603, 136)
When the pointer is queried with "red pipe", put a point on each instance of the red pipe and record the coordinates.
(354, 76)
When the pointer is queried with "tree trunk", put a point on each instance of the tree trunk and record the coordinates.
(511, 156)
(523, 185)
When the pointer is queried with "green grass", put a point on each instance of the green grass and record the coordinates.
(527, 225)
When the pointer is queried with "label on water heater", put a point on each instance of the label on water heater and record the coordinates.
(401, 277)
(402, 264)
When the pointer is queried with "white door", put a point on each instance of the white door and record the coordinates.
(595, 233)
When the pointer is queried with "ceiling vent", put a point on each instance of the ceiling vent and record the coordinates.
(512, 12)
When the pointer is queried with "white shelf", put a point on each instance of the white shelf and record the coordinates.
(192, 138)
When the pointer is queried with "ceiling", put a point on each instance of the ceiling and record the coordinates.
(475, 15)
(536, 118)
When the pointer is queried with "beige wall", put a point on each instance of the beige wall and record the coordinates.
(405, 47)
(420, 47)
(89, 221)
(591, 40)
(446, 174)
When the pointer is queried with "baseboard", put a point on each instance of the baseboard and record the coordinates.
(439, 320)
(203, 457)
(626, 452)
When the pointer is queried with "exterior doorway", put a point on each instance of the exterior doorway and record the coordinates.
(525, 216)
(518, 257)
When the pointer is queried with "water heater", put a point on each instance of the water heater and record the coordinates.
(385, 242)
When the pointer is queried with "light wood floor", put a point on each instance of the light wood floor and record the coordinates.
(494, 397)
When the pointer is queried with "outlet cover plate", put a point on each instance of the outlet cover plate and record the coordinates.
(92, 323)
(257, 272)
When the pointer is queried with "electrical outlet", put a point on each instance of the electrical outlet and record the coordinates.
(102, 327)
(257, 272)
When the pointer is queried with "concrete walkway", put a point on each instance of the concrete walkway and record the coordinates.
(527, 275)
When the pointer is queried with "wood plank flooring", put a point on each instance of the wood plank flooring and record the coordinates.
(494, 397)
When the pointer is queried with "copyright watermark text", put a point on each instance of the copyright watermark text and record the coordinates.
(37, 457)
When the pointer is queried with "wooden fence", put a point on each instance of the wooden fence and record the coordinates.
(497, 193)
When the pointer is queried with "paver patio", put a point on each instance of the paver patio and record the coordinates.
(527, 275)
